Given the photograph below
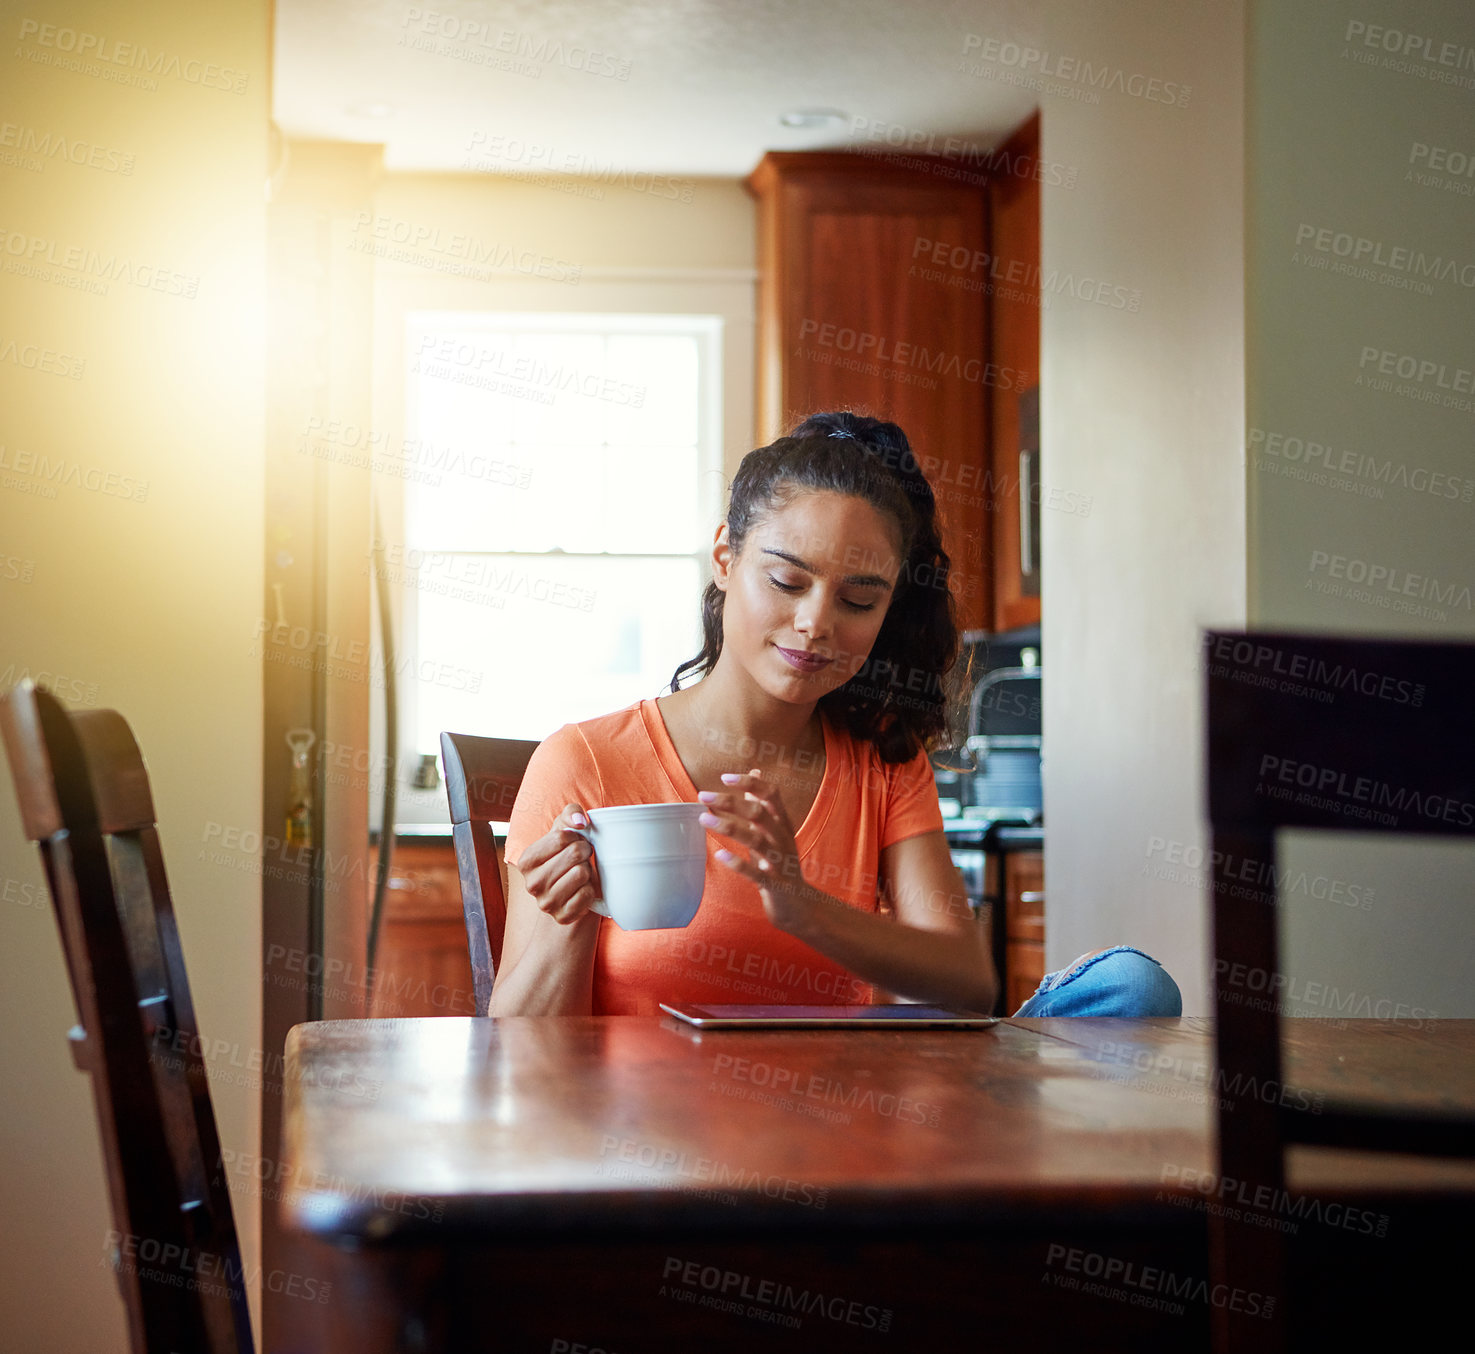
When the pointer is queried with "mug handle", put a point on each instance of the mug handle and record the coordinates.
(598, 905)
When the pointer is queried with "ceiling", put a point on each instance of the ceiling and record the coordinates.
(677, 87)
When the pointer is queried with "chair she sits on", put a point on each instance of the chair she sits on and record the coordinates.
(84, 797)
(482, 780)
(1349, 735)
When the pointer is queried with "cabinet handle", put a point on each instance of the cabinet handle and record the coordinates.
(1031, 896)
(1029, 547)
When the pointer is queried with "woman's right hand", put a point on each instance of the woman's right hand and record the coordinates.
(558, 870)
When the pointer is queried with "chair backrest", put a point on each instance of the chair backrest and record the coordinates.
(1304, 731)
(482, 779)
(84, 797)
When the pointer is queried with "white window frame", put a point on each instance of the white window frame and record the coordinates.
(715, 306)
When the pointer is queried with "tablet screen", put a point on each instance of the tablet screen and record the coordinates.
(904, 1014)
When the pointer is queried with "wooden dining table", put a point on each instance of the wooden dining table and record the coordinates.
(631, 1184)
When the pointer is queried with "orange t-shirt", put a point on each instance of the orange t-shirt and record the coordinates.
(730, 952)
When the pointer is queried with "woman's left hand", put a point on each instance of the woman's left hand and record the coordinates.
(752, 812)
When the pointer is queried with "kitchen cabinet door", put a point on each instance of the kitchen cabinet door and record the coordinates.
(1024, 926)
(424, 965)
(871, 299)
(1014, 339)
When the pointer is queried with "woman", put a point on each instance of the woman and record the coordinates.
(828, 631)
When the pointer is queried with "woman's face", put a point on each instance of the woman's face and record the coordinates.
(806, 597)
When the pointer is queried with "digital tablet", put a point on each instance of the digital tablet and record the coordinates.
(828, 1017)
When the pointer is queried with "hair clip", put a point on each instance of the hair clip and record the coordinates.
(845, 432)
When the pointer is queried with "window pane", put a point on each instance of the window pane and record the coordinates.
(550, 641)
(656, 389)
(557, 371)
(578, 441)
(650, 501)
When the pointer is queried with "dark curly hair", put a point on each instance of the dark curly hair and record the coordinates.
(899, 700)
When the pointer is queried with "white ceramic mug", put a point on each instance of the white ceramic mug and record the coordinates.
(652, 861)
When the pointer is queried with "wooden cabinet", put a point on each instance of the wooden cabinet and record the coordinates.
(871, 298)
(1024, 926)
(423, 968)
(909, 287)
(1014, 894)
(1014, 340)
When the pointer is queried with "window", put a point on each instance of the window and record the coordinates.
(557, 526)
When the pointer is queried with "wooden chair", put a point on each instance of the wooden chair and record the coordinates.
(84, 797)
(482, 780)
(1340, 734)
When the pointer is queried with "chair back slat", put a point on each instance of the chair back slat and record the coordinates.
(1352, 735)
(86, 801)
(110, 1057)
(30, 768)
(483, 776)
(120, 782)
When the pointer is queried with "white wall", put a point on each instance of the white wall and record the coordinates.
(146, 603)
(1142, 412)
(1335, 124)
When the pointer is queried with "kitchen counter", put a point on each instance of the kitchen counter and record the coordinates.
(988, 834)
(1003, 867)
(968, 833)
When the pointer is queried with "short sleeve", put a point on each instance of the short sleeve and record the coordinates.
(562, 769)
(911, 806)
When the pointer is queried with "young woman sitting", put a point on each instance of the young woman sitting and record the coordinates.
(828, 632)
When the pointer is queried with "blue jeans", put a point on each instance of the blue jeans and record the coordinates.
(1121, 981)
